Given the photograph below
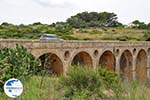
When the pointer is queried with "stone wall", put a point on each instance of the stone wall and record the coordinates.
(130, 59)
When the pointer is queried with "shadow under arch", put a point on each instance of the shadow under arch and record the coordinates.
(108, 61)
(141, 62)
(82, 58)
(126, 61)
(52, 63)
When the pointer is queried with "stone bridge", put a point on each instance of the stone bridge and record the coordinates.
(130, 59)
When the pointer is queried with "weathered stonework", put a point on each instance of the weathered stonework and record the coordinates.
(129, 59)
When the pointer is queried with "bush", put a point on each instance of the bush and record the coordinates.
(146, 37)
(87, 39)
(16, 63)
(81, 30)
(89, 84)
(147, 83)
(123, 38)
(63, 29)
(95, 32)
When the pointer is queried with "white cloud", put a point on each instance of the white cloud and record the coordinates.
(15, 2)
(48, 11)
(55, 3)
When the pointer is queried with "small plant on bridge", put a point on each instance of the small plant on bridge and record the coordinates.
(16, 63)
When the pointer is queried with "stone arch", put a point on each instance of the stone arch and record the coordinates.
(141, 61)
(51, 62)
(82, 58)
(126, 62)
(108, 60)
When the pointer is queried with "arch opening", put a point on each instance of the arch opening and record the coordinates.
(108, 61)
(134, 51)
(52, 63)
(96, 53)
(66, 55)
(141, 62)
(117, 52)
(83, 59)
(126, 61)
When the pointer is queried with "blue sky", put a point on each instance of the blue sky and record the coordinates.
(48, 11)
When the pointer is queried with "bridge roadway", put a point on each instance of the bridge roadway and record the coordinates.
(130, 59)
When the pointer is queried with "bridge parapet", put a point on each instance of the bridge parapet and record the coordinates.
(71, 44)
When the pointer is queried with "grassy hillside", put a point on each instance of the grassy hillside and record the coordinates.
(34, 31)
(122, 34)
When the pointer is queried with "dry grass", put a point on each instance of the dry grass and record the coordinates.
(110, 34)
(49, 91)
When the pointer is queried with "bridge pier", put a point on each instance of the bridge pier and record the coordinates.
(148, 66)
(117, 70)
(65, 67)
(95, 63)
(134, 67)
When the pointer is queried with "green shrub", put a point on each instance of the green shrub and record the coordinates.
(95, 32)
(146, 37)
(64, 29)
(87, 39)
(123, 38)
(147, 83)
(81, 30)
(16, 63)
(89, 84)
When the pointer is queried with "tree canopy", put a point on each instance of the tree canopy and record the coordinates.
(140, 25)
(93, 19)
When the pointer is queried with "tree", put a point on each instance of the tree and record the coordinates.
(37, 23)
(76, 22)
(5, 24)
(139, 25)
(93, 19)
(148, 25)
(108, 19)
